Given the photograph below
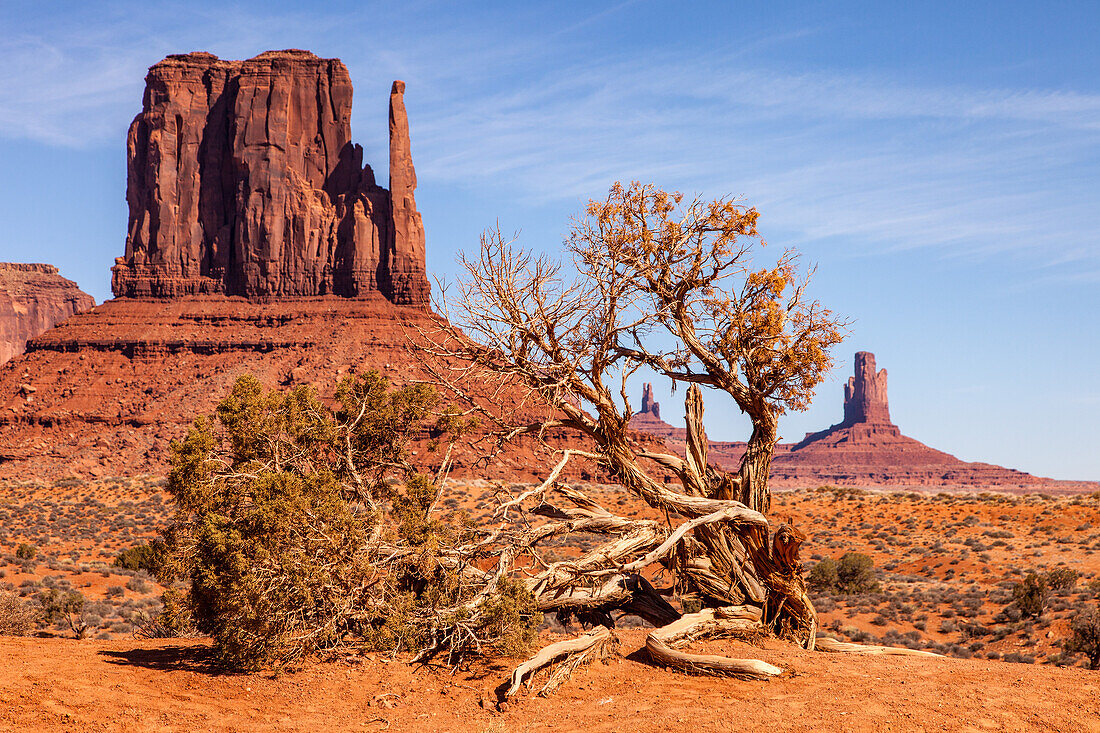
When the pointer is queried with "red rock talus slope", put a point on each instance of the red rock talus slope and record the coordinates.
(34, 297)
(242, 180)
(112, 386)
(866, 449)
(257, 243)
(105, 392)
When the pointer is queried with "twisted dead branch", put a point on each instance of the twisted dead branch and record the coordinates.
(843, 647)
(665, 286)
(663, 644)
(597, 644)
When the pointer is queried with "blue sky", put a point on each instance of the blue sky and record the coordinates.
(938, 162)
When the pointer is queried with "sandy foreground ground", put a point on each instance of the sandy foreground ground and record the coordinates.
(129, 685)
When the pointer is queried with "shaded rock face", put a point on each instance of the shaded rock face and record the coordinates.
(649, 405)
(33, 298)
(242, 180)
(865, 398)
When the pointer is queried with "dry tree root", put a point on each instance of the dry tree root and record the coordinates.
(662, 644)
(826, 644)
(599, 643)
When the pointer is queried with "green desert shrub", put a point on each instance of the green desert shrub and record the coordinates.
(145, 557)
(854, 573)
(1030, 595)
(63, 606)
(300, 527)
(823, 577)
(1061, 579)
(1085, 636)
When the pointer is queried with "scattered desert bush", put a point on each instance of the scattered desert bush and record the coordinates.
(17, 617)
(823, 577)
(854, 573)
(26, 551)
(141, 557)
(1061, 579)
(139, 583)
(1030, 595)
(1085, 636)
(63, 606)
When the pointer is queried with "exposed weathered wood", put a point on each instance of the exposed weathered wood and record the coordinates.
(662, 644)
(826, 644)
(598, 643)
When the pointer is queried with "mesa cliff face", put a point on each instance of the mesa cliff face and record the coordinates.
(864, 449)
(33, 297)
(865, 399)
(242, 180)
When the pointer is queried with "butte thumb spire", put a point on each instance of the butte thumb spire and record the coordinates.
(865, 398)
(408, 281)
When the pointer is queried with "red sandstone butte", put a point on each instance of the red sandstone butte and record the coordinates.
(242, 180)
(33, 297)
(864, 449)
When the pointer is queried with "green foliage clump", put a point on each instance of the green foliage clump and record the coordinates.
(1062, 579)
(301, 527)
(853, 573)
(26, 552)
(823, 577)
(856, 574)
(510, 619)
(1085, 636)
(147, 557)
(63, 605)
(1030, 595)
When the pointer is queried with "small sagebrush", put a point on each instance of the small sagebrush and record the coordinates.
(17, 617)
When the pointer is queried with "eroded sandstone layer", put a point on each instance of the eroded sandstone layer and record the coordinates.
(33, 297)
(242, 180)
(105, 392)
(864, 449)
(111, 387)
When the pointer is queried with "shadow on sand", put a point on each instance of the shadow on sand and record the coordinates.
(195, 658)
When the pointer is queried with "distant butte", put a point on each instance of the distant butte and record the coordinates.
(242, 180)
(257, 242)
(864, 449)
(33, 297)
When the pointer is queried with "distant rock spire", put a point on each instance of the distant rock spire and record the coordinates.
(404, 260)
(649, 405)
(865, 398)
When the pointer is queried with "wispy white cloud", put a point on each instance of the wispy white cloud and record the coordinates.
(861, 159)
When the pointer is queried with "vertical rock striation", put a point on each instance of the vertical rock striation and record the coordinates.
(407, 280)
(242, 179)
(865, 398)
(33, 298)
(649, 405)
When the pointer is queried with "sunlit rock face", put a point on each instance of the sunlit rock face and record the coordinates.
(33, 297)
(242, 180)
(865, 398)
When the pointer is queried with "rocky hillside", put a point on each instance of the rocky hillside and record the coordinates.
(33, 297)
